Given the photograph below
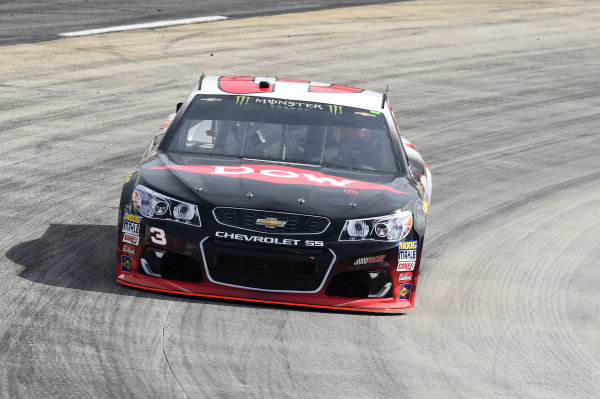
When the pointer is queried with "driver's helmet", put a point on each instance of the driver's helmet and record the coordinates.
(355, 132)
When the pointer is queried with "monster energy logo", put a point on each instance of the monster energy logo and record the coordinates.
(335, 109)
(242, 100)
(288, 104)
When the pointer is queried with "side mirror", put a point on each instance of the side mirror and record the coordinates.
(178, 106)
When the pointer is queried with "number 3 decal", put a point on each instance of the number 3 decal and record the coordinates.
(158, 236)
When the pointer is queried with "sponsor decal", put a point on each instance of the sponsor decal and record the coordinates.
(128, 177)
(365, 114)
(242, 100)
(269, 240)
(425, 206)
(166, 124)
(407, 255)
(131, 239)
(280, 175)
(131, 228)
(350, 191)
(210, 99)
(405, 266)
(157, 236)
(130, 217)
(369, 260)
(288, 104)
(335, 109)
(408, 244)
(126, 263)
(128, 249)
(404, 276)
(405, 290)
(270, 223)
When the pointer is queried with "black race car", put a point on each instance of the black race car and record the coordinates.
(280, 191)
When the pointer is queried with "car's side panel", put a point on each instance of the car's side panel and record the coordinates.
(418, 170)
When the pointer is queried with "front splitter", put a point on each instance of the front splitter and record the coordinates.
(375, 305)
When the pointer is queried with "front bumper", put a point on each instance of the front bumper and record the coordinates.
(357, 276)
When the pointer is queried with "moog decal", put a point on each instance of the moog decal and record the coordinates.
(280, 175)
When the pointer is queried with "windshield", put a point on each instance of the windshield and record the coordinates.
(286, 131)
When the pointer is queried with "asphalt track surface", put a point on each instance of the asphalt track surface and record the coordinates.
(501, 98)
(24, 21)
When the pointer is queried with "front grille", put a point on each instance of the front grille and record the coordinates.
(169, 265)
(294, 223)
(266, 268)
(361, 284)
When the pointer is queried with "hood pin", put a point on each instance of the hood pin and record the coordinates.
(198, 188)
(301, 201)
(249, 195)
(353, 204)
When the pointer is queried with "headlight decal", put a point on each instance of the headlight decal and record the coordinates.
(384, 228)
(154, 205)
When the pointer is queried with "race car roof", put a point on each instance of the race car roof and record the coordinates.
(291, 89)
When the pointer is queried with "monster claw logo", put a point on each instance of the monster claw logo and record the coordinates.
(242, 100)
(335, 109)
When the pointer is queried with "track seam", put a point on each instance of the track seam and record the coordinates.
(165, 353)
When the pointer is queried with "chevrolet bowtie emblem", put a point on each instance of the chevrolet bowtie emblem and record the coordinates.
(270, 223)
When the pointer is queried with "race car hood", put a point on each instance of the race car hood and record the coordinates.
(331, 192)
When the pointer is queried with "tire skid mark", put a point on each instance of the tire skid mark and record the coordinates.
(541, 315)
(164, 326)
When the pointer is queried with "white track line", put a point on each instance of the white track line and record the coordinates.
(148, 25)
